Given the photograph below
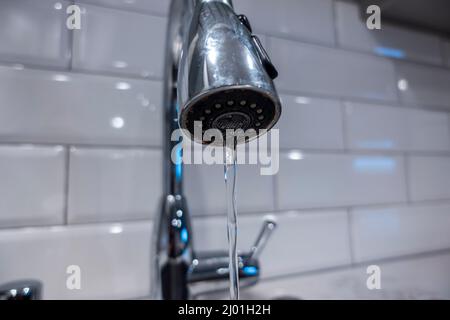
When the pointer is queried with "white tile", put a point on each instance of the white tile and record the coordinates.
(310, 123)
(298, 19)
(319, 70)
(376, 126)
(31, 185)
(301, 241)
(34, 33)
(395, 231)
(76, 108)
(423, 85)
(109, 185)
(429, 177)
(205, 189)
(120, 42)
(395, 128)
(404, 279)
(143, 6)
(391, 41)
(113, 258)
(324, 180)
(428, 131)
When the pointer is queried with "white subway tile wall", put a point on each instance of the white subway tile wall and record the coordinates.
(364, 173)
(311, 123)
(424, 85)
(113, 259)
(395, 231)
(106, 44)
(310, 20)
(341, 73)
(32, 185)
(205, 189)
(31, 33)
(429, 177)
(113, 184)
(335, 180)
(380, 127)
(155, 7)
(391, 41)
(57, 107)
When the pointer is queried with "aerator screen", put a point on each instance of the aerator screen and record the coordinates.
(232, 109)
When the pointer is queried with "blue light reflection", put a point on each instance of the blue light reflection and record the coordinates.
(374, 164)
(250, 271)
(390, 52)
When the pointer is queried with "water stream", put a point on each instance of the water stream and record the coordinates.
(230, 183)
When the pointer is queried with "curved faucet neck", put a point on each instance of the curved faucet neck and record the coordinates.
(181, 13)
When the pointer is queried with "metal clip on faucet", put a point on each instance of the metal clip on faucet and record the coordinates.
(217, 74)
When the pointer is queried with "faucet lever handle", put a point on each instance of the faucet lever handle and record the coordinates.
(267, 229)
(264, 57)
(244, 20)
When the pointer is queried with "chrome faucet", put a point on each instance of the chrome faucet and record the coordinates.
(219, 75)
(21, 290)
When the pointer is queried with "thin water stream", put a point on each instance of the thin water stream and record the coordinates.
(230, 183)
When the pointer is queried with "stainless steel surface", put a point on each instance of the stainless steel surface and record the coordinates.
(209, 270)
(221, 75)
(210, 53)
(21, 290)
(267, 229)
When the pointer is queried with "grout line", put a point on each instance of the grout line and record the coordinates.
(335, 24)
(75, 224)
(82, 72)
(367, 152)
(325, 210)
(71, 43)
(283, 151)
(407, 162)
(276, 192)
(66, 187)
(387, 103)
(350, 235)
(84, 146)
(345, 130)
(113, 74)
(397, 90)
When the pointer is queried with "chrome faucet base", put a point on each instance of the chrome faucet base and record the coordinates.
(21, 290)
